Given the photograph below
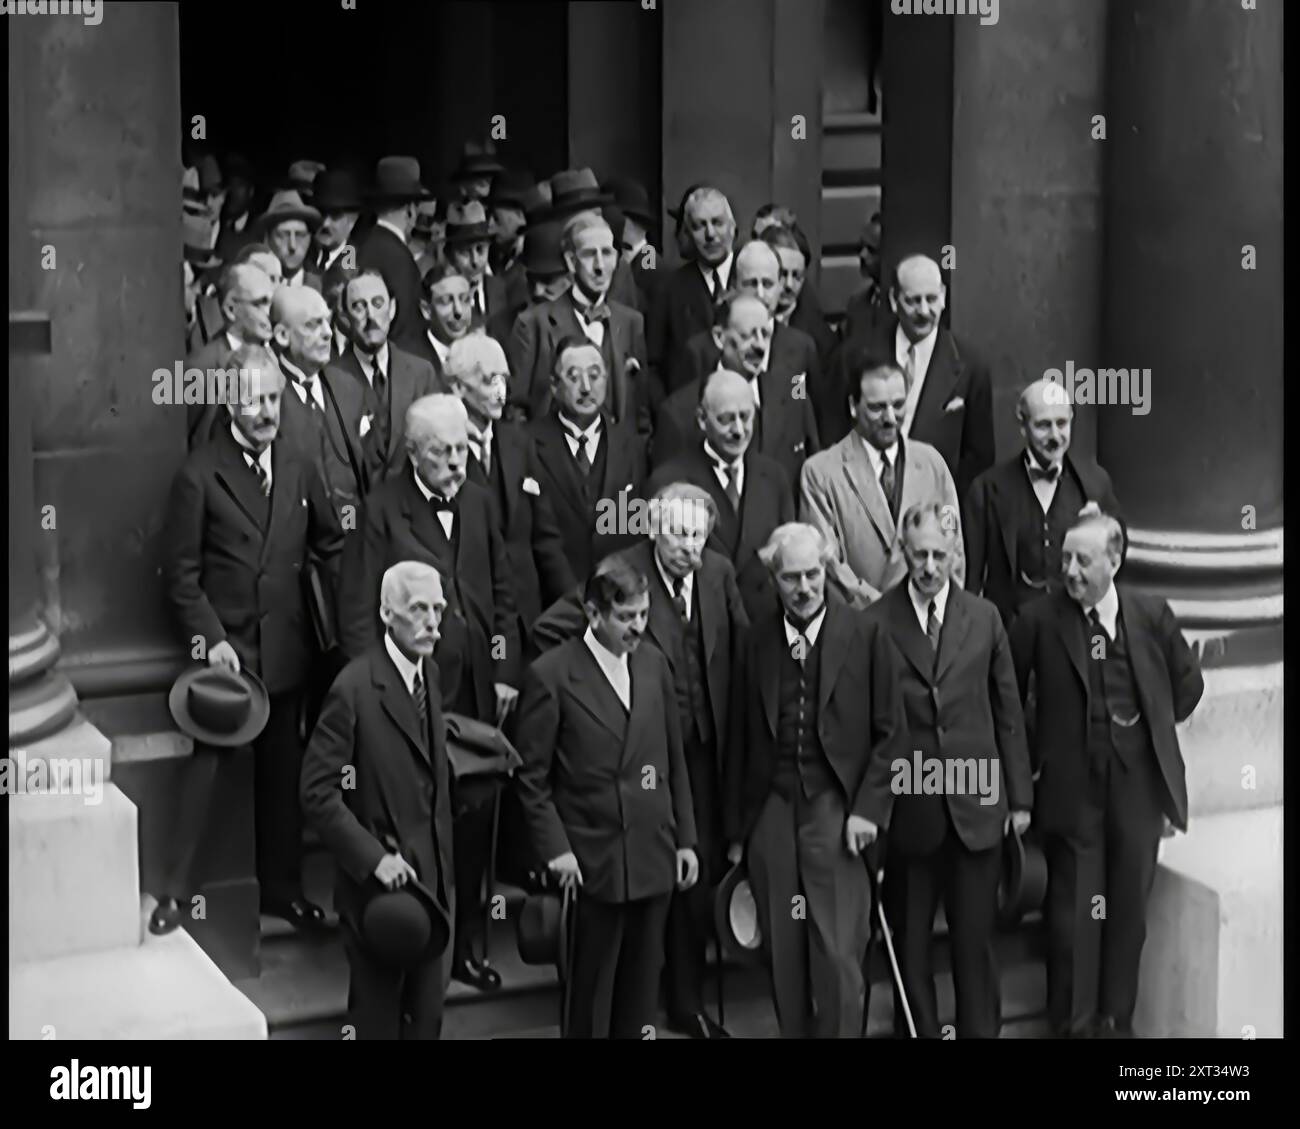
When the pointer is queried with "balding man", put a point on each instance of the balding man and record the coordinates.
(245, 294)
(684, 304)
(583, 310)
(949, 396)
(752, 493)
(432, 514)
(808, 784)
(502, 460)
(856, 491)
(382, 730)
(1015, 514)
(246, 510)
(1114, 675)
(745, 340)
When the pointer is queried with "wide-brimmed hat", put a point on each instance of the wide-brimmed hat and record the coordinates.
(1023, 882)
(536, 202)
(542, 255)
(509, 189)
(337, 190)
(467, 222)
(576, 190)
(218, 707)
(302, 175)
(631, 198)
(404, 927)
(287, 205)
(397, 180)
(209, 175)
(735, 914)
(477, 160)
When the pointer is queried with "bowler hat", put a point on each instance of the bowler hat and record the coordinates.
(679, 213)
(1023, 882)
(536, 202)
(404, 927)
(337, 190)
(576, 190)
(397, 180)
(302, 175)
(477, 160)
(735, 915)
(218, 707)
(467, 223)
(631, 198)
(209, 174)
(543, 928)
(542, 255)
(287, 205)
(509, 189)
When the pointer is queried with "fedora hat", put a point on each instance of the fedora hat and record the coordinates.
(218, 707)
(467, 222)
(397, 180)
(543, 929)
(536, 202)
(576, 190)
(337, 190)
(542, 255)
(735, 915)
(631, 199)
(477, 160)
(1023, 882)
(402, 927)
(287, 205)
(509, 189)
(302, 175)
(198, 234)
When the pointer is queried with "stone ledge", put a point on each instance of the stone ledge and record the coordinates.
(1237, 723)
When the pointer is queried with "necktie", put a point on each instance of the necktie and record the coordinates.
(381, 381)
(679, 601)
(583, 455)
(421, 696)
(1094, 621)
(887, 480)
(909, 367)
(932, 628)
(262, 479)
(485, 455)
(717, 285)
(312, 406)
(732, 473)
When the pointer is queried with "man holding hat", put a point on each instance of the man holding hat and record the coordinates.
(389, 829)
(287, 227)
(395, 197)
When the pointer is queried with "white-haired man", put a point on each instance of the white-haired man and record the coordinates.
(808, 784)
(503, 462)
(392, 824)
(1114, 675)
(584, 310)
(432, 514)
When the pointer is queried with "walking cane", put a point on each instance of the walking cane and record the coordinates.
(568, 899)
(875, 876)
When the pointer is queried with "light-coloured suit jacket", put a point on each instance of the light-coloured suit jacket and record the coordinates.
(841, 496)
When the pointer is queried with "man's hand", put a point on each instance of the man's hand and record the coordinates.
(1167, 829)
(688, 868)
(223, 654)
(1020, 820)
(394, 872)
(859, 834)
(565, 868)
(506, 698)
(735, 853)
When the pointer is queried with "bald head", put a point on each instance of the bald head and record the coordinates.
(918, 296)
(726, 414)
(1045, 415)
(758, 272)
(302, 328)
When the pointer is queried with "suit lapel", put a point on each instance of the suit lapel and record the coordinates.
(239, 481)
(284, 492)
(591, 689)
(709, 600)
(908, 636)
(1007, 511)
(510, 454)
(956, 626)
(862, 481)
(424, 524)
(398, 704)
(834, 643)
(617, 454)
(940, 380)
(553, 452)
(1146, 668)
(1069, 622)
(770, 647)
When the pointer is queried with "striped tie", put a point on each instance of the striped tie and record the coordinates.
(421, 700)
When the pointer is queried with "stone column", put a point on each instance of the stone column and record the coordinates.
(1194, 186)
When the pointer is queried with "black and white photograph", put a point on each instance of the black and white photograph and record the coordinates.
(647, 520)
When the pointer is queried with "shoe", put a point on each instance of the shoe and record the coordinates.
(698, 1026)
(300, 913)
(1108, 1027)
(476, 973)
(165, 918)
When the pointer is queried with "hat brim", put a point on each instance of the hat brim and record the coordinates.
(581, 203)
(476, 171)
(734, 902)
(310, 216)
(178, 704)
(1023, 882)
(478, 233)
(378, 196)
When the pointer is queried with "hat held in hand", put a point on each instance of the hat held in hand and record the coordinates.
(215, 706)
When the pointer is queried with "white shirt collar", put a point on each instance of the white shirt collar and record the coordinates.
(814, 629)
(405, 667)
(368, 363)
(233, 341)
(719, 467)
(570, 427)
(614, 667)
(687, 582)
(877, 457)
(921, 605)
(395, 230)
(1108, 610)
(1032, 460)
(264, 458)
(582, 302)
(723, 269)
(443, 351)
(924, 349)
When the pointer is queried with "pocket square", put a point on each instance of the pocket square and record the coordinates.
(530, 487)
(954, 405)
(365, 426)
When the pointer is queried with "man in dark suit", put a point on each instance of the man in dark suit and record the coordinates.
(390, 378)
(583, 310)
(432, 514)
(383, 721)
(798, 305)
(245, 513)
(635, 248)
(1114, 676)
(1015, 515)
(607, 801)
(548, 277)
(967, 776)
(949, 394)
(744, 341)
(752, 492)
(287, 225)
(395, 197)
(591, 469)
(469, 236)
(337, 194)
(448, 316)
(808, 784)
(688, 297)
(236, 210)
(503, 462)
(698, 622)
(867, 309)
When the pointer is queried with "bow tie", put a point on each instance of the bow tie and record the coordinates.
(594, 313)
(442, 505)
(1043, 474)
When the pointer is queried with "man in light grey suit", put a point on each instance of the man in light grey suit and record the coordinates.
(855, 491)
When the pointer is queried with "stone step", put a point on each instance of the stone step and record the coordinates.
(73, 878)
(163, 988)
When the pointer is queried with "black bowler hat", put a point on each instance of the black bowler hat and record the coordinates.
(475, 161)
(467, 222)
(510, 189)
(337, 190)
(404, 927)
(631, 198)
(397, 181)
(215, 706)
(1023, 883)
(542, 255)
(575, 190)
(544, 928)
(735, 914)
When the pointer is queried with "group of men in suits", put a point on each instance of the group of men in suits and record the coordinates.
(846, 580)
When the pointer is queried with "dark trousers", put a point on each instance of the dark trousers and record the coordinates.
(472, 810)
(690, 914)
(967, 883)
(618, 954)
(1095, 947)
(277, 817)
(797, 850)
(384, 1003)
